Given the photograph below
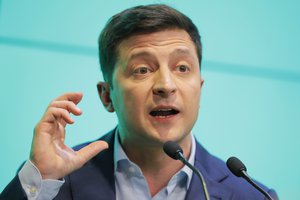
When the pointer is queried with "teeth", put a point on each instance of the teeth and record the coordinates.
(161, 116)
(166, 109)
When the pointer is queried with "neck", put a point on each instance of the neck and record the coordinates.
(151, 156)
(157, 167)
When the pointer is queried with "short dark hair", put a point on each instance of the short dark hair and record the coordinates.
(140, 20)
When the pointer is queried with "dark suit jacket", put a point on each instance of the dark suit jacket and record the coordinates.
(95, 180)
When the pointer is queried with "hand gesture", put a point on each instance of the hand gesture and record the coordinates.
(48, 151)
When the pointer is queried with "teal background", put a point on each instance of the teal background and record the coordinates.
(250, 100)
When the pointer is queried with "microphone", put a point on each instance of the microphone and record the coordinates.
(173, 150)
(239, 169)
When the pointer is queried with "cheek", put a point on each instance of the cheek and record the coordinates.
(191, 96)
(130, 100)
(192, 88)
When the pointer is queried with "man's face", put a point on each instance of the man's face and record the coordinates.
(156, 87)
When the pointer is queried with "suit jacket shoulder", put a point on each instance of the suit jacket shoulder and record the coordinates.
(221, 183)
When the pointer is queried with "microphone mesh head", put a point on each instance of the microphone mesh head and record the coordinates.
(172, 149)
(236, 166)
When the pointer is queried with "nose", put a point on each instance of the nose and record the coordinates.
(164, 84)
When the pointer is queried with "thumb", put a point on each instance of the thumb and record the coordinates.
(89, 151)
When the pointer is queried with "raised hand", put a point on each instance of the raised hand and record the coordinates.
(48, 151)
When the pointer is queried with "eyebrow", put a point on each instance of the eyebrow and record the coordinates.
(175, 53)
(181, 52)
(140, 54)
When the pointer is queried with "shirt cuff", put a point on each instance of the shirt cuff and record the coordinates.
(34, 186)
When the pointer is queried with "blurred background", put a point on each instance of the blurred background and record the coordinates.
(250, 101)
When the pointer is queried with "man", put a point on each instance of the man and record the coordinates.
(150, 57)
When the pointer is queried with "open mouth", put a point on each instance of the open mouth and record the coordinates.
(163, 113)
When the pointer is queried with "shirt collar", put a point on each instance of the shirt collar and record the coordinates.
(121, 159)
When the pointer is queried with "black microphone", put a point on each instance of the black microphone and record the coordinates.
(239, 169)
(173, 150)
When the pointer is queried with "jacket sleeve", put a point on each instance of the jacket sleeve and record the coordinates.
(273, 194)
(13, 191)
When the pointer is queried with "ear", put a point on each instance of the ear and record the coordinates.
(104, 94)
(202, 82)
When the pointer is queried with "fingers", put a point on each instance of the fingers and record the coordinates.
(61, 107)
(67, 105)
(89, 151)
(55, 114)
(75, 97)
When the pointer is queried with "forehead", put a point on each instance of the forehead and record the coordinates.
(168, 41)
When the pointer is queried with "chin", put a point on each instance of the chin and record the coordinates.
(176, 136)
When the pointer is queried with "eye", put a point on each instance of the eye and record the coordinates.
(183, 68)
(142, 70)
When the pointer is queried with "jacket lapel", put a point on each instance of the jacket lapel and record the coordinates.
(213, 173)
(95, 180)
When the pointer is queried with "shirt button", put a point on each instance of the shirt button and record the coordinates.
(32, 190)
(131, 170)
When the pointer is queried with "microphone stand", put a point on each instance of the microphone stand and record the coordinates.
(182, 159)
(247, 178)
